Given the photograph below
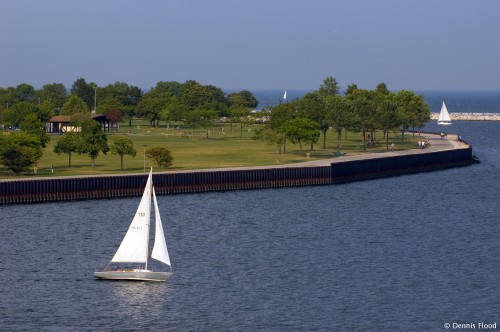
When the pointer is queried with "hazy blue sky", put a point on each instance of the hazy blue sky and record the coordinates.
(253, 44)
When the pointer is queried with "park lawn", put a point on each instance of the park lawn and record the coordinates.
(191, 151)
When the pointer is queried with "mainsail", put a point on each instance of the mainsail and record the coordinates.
(134, 247)
(284, 96)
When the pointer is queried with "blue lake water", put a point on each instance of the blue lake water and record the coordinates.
(407, 253)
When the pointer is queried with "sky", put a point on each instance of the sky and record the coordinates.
(253, 44)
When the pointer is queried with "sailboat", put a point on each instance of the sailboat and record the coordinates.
(444, 116)
(134, 247)
(284, 95)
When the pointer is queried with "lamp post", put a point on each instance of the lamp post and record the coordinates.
(95, 99)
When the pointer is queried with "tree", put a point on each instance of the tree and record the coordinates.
(161, 156)
(54, 93)
(362, 106)
(388, 115)
(238, 112)
(243, 98)
(172, 87)
(300, 130)
(339, 115)
(414, 111)
(125, 99)
(312, 106)
(93, 140)
(350, 89)
(152, 104)
(330, 87)
(123, 146)
(382, 89)
(196, 96)
(68, 144)
(18, 112)
(76, 109)
(273, 136)
(19, 151)
(84, 91)
(201, 118)
(25, 92)
(32, 125)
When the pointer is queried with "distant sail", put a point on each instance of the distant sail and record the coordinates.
(444, 116)
(284, 96)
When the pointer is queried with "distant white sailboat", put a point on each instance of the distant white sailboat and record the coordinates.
(134, 246)
(284, 96)
(444, 117)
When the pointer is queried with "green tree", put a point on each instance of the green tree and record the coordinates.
(25, 92)
(32, 125)
(45, 111)
(360, 101)
(350, 89)
(161, 156)
(18, 112)
(300, 130)
(76, 109)
(330, 87)
(382, 89)
(54, 93)
(151, 105)
(414, 111)
(339, 115)
(196, 96)
(93, 140)
(273, 136)
(123, 146)
(172, 87)
(84, 91)
(201, 118)
(68, 144)
(19, 151)
(312, 106)
(389, 118)
(243, 98)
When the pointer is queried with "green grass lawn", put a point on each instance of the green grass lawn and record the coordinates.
(193, 151)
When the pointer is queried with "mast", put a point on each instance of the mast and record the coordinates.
(149, 216)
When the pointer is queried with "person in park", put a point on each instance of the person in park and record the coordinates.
(392, 147)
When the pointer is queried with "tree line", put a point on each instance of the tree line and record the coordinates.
(359, 110)
(301, 121)
(29, 109)
(167, 101)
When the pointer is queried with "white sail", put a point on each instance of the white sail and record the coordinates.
(444, 116)
(284, 96)
(160, 251)
(134, 247)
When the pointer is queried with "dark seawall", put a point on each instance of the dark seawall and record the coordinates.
(95, 187)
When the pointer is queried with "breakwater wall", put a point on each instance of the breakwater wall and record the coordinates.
(470, 116)
(95, 187)
(401, 164)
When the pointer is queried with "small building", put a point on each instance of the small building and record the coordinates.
(61, 124)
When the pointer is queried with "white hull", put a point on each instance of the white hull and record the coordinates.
(133, 275)
(444, 123)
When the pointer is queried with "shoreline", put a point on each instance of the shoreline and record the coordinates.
(442, 153)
